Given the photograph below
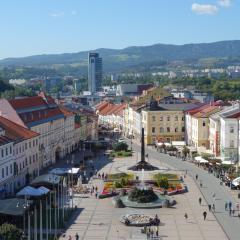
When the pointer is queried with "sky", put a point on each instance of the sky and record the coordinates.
(30, 27)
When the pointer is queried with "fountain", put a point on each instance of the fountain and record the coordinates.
(143, 165)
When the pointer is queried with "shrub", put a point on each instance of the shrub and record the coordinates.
(142, 195)
(163, 182)
(10, 232)
(122, 146)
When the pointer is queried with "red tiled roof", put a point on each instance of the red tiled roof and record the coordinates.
(106, 109)
(101, 105)
(15, 131)
(206, 112)
(28, 102)
(40, 114)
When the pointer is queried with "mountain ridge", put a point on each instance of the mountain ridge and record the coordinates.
(115, 59)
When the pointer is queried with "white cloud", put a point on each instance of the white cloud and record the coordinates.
(224, 3)
(57, 14)
(204, 8)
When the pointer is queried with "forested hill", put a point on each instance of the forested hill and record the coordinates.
(114, 59)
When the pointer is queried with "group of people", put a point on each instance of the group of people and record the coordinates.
(151, 232)
(102, 176)
(229, 207)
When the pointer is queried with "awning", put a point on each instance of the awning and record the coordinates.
(64, 171)
(236, 181)
(179, 143)
(14, 206)
(200, 159)
(43, 190)
(29, 191)
(46, 179)
(227, 163)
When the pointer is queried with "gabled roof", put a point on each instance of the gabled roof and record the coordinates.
(206, 112)
(41, 115)
(15, 131)
(29, 102)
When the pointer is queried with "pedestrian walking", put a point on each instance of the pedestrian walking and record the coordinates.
(213, 207)
(226, 206)
(186, 216)
(96, 188)
(76, 236)
(230, 211)
(233, 212)
(209, 207)
(96, 194)
(196, 177)
(200, 201)
(230, 205)
(214, 196)
(201, 184)
(204, 215)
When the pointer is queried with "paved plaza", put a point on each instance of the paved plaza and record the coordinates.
(98, 219)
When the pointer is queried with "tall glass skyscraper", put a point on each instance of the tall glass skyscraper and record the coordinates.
(94, 72)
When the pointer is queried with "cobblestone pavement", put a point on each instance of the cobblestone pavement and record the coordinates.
(97, 219)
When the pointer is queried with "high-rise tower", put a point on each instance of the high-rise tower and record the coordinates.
(94, 72)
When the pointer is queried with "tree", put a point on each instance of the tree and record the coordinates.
(185, 151)
(122, 146)
(10, 232)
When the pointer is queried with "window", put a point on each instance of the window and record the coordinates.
(204, 124)
(183, 129)
(153, 129)
(232, 129)
(176, 129)
(6, 171)
(153, 118)
(2, 153)
(2, 172)
(10, 149)
(232, 144)
(6, 151)
(29, 144)
(36, 141)
(26, 161)
(176, 118)
(33, 159)
(11, 168)
(182, 118)
(23, 164)
(25, 146)
(161, 129)
(161, 118)
(168, 118)
(168, 129)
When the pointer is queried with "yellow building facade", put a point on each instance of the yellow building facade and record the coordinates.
(163, 125)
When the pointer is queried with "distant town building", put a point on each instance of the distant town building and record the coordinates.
(132, 89)
(94, 72)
